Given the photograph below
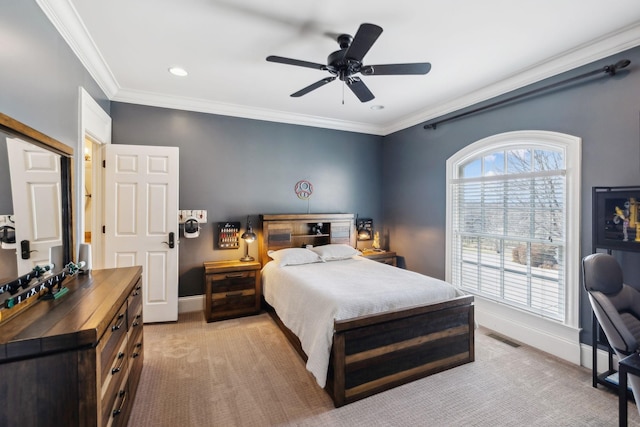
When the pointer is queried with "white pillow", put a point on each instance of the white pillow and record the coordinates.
(335, 251)
(294, 256)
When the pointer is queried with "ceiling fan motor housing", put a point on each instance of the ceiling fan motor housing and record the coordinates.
(341, 66)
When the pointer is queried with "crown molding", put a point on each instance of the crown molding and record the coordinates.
(65, 19)
(207, 106)
(611, 44)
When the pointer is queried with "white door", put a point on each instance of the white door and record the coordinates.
(141, 219)
(37, 203)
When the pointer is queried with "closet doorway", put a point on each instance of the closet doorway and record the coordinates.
(95, 133)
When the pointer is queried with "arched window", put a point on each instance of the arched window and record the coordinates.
(512, 222)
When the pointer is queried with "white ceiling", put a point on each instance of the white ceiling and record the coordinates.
(478, 49)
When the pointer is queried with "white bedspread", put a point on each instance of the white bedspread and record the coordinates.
(308, 298)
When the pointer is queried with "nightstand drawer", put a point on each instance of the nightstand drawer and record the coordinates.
(232, 281)
(234, 300)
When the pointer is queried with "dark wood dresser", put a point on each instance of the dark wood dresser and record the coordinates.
(75, 361)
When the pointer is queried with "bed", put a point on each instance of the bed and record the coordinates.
(362, 327)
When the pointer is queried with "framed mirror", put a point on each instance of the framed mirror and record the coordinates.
(36, 199)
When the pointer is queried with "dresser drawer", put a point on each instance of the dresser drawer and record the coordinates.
(112, 341)
(114, 406)
(116, 374)
(136, 357)
(134, 311)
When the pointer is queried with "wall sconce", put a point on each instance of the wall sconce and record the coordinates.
(248, 236)
(365, 229)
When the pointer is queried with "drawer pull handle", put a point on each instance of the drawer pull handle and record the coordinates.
(119, 324)
(234, 294)
(118, 368)
(118, 411)
(136, 320)
(234, 275)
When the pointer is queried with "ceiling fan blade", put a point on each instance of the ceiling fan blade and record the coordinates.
(363, 40)
(313, 86)
(396, 69)
(289, 61)
(361, 90)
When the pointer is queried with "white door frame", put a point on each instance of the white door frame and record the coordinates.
(95, 125)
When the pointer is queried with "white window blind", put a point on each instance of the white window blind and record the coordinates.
(509, 229)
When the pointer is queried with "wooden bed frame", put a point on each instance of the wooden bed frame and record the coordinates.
(374, 353)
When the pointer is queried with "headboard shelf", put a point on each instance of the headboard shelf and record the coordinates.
(279, 231)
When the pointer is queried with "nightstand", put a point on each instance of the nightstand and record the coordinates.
(232, 289)
(385, 257)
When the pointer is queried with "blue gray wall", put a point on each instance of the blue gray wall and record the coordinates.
(603, 111)
(40, 75)
(235, 167)
(394, 179)
(39, 84)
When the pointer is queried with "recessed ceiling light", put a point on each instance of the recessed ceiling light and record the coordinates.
(377, 107)
(177, 71)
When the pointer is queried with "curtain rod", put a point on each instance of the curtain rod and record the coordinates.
(611, 70)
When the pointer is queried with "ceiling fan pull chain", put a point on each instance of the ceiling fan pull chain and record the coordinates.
(343, 85)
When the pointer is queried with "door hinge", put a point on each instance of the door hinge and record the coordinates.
(104, 229)
(104, 163)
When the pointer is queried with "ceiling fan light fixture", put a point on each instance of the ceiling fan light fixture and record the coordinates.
(178, 71)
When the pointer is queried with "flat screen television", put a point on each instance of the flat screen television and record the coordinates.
(616, 218)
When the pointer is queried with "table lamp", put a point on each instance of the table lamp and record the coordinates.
(248, 236)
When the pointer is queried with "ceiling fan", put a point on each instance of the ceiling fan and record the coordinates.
(346, 62)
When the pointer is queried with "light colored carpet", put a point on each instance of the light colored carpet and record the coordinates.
(243, 372)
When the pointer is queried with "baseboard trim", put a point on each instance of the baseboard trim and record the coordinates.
(602, 356)
(548, 336)
(190, 303)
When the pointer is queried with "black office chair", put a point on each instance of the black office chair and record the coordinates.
(616, 306)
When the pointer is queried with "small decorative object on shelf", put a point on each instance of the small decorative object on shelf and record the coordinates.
(376, 241)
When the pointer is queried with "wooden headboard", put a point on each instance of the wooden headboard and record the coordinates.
(279, 231)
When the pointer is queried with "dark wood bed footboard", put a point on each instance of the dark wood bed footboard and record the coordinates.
(374, 353)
